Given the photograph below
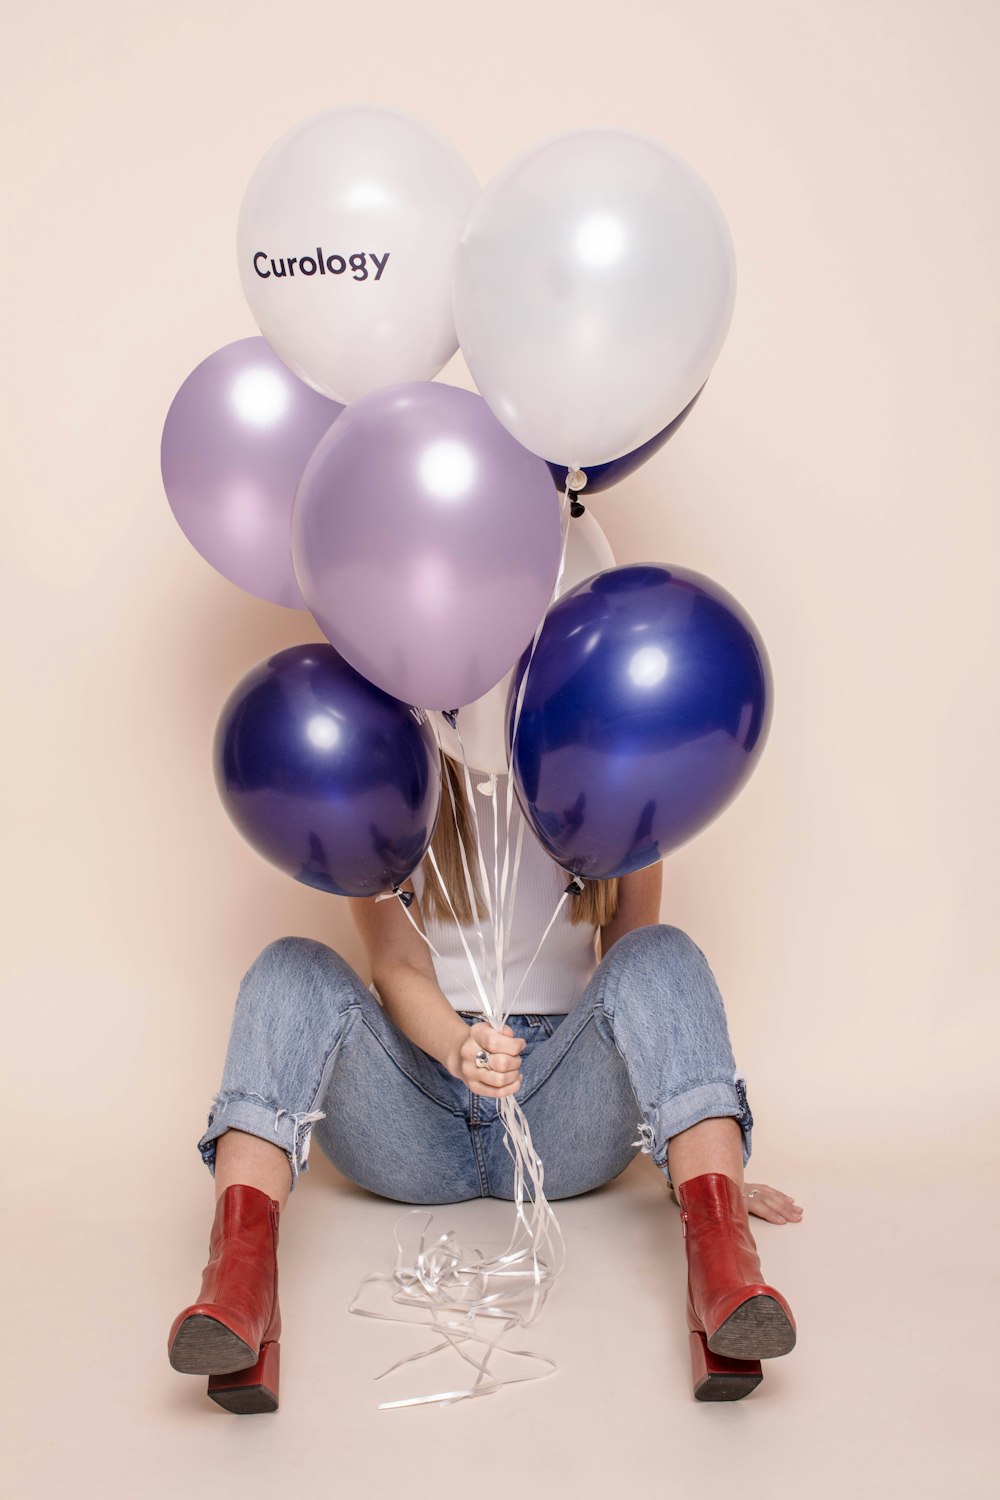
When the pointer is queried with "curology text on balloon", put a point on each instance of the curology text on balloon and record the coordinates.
(267, 265)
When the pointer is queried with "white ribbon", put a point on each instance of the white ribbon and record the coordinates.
(454, 1286)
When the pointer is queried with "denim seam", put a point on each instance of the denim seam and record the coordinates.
(717, 1113)
(475, 1126)
(300, 1140)
(316, 1093)
(225, 1096)
(698, 1083)
(529, 1091)
(612, 982)
(537, 1083)
(406, 1074)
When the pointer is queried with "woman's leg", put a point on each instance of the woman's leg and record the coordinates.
(311, 1048)
(649, 1037)
(714, 1145)
(240, 1157)
(305, 1028)
(645, 1050)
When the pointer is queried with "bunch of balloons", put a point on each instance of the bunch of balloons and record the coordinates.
(590, 287)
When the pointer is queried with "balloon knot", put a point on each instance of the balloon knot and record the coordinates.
(575, 887)
(576, 509)
(405, 896)
(450, 716)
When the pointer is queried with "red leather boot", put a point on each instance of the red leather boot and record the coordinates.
(231, 1333)
(735, 1318)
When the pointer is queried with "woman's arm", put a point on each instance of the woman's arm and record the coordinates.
(403, 973)
(638, 904)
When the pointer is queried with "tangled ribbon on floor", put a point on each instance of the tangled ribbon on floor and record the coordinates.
(454, 1284)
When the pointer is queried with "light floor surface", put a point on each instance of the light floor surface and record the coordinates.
(891, 1389)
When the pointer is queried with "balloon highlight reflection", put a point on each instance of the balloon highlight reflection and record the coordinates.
(326, 776)
(647, 705)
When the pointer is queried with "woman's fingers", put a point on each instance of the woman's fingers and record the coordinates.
(503, 1076)
(772, 1204)
(500, 1062)
(492, 1083)
(484, 1035)
(505, 1058)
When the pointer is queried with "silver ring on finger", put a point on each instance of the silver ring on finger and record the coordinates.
(752, 1193)
(482, 1058)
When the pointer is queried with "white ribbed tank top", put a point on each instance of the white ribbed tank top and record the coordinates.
(568, 956)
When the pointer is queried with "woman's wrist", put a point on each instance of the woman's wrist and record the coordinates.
(417, 1005)
(453, 1061)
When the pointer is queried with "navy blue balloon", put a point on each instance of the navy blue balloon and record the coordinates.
(647, 706)
(325, 775)
(603, 476)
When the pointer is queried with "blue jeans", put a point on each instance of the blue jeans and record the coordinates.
(645, 1048)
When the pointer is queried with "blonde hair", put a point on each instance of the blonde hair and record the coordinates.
(596, 905)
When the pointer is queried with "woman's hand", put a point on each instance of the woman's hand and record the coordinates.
(770, 1203)
(503, 1076)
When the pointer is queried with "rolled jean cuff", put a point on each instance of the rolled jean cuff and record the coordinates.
(704, 1101)
(258, 1116)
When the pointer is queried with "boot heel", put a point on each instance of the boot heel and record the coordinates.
(717, 1378)
(254, 1389)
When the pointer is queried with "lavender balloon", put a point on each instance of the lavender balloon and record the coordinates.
(236, 439)
(426, 542)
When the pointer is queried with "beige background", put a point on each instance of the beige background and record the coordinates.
(839, 477)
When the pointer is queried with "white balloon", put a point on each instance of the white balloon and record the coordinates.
(346, 244)
(483, 723)
(594, 287)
